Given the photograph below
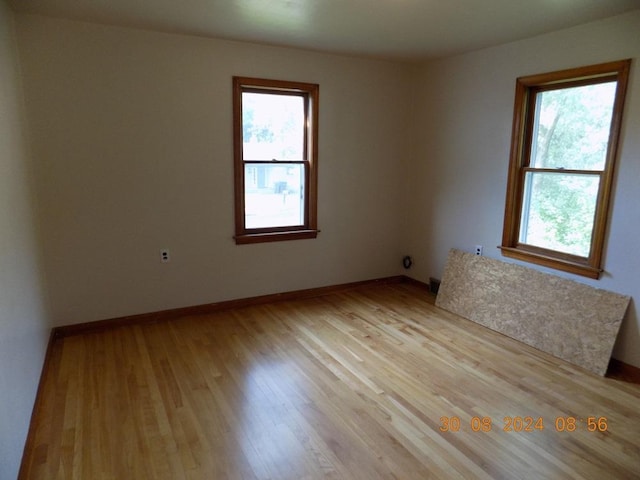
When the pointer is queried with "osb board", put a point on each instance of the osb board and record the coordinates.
(570, 320)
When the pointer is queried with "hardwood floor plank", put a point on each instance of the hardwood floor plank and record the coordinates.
(355, 384)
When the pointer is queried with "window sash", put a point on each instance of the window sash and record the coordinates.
(305, 204)
(305, 123)
(535, 112)
(531, 197)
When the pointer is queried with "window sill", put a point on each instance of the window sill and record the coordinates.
(275, 236)
(566, 265)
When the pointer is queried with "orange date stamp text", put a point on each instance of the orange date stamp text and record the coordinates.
(525, 424)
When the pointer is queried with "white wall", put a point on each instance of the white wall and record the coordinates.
(130, 135)
(24, 329)
(457, 185)
(132, 138)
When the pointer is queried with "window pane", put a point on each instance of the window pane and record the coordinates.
(571, 127)
(558, 211)
(272, 126)
(274, 195)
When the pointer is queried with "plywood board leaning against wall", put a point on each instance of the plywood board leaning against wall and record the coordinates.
(572, 321)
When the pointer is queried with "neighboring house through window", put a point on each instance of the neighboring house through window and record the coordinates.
(275, 128)
(565, 134)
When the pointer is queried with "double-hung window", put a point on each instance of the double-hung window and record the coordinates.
(564, 140)
(275, 126)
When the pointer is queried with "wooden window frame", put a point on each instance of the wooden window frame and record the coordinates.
(310, 93)
(523, 119)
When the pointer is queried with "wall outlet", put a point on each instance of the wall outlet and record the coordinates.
(478, 250)
(164, 255)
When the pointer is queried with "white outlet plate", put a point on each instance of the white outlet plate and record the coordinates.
(165, 256)
(478, 250)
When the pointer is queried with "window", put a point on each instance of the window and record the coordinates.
(275, 132)
(565, 133)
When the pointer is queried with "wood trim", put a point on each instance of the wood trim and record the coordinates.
(238, 169)
(624, 372)
(312, 171)
(603, 210)
(513, 201)
(310, 93)
(578, 73)
(526, 88)
(416, 282)
(36, 413)
(431, 297)
(275, 236)
(557, 263)
(152, 317)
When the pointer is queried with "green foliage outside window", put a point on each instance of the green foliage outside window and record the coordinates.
(571, 132)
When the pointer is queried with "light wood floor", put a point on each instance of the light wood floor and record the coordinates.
(351, 385)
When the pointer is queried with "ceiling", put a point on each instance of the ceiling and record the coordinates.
(409, 30)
